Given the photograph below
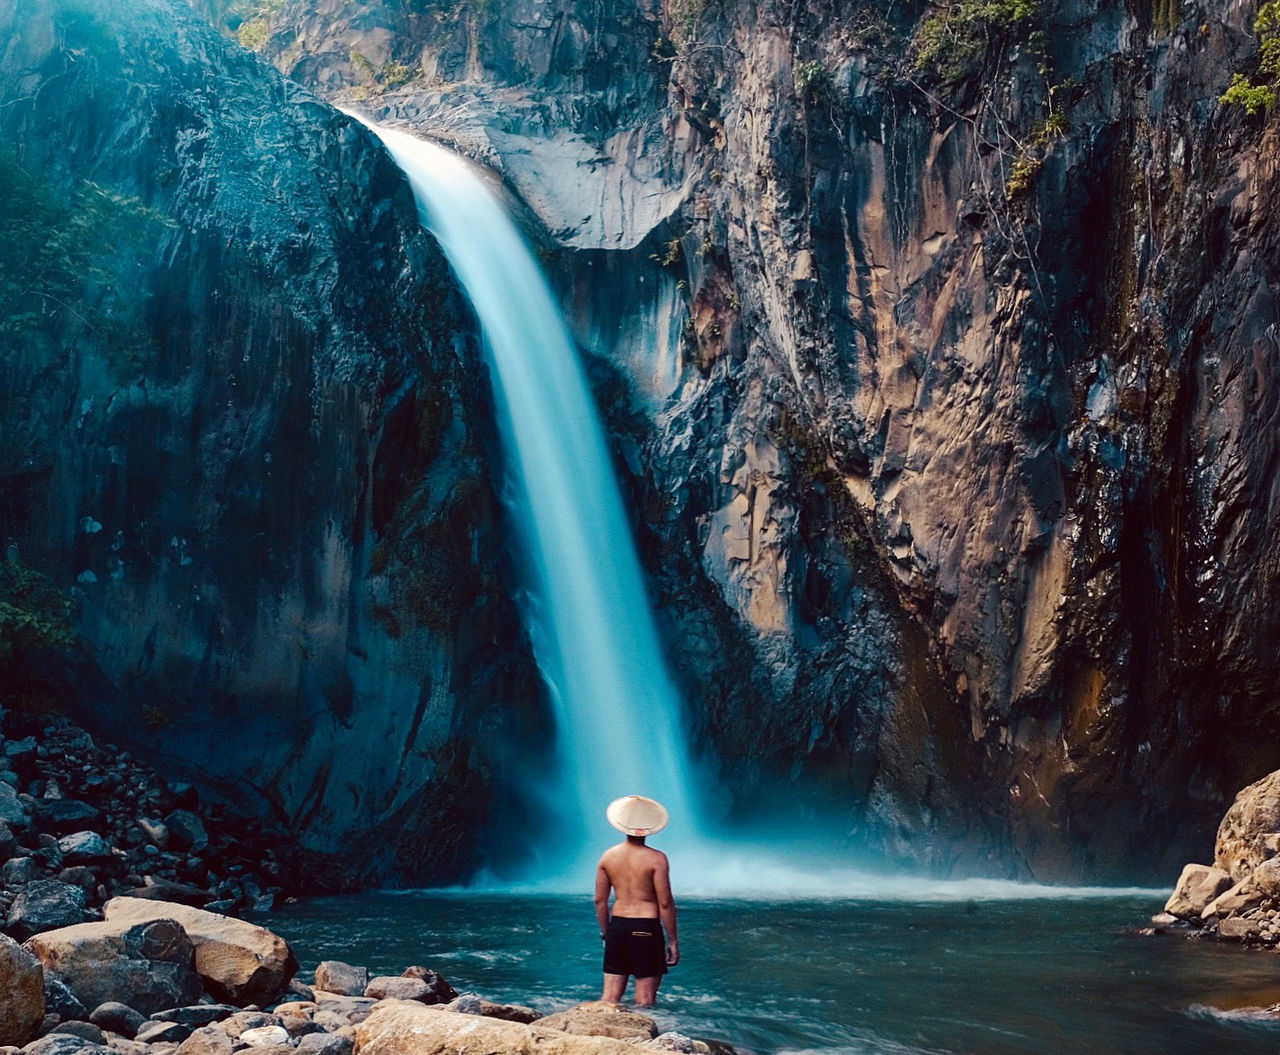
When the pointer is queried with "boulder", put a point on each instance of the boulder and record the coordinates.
(186, 831)
(147, 965)
(678, 1042)
(118, 1018)
(438, 990)
(81, 1029)
(85, 848)
(8, 841)
(470, 1004)
(334, 976)
(22, 986)
(1250, 831)
(61, 1001)
(64, 1044)
(207, 1040)
(1197, 886)
(12, 811)
(197, 1014)
(80, 875)
(1238, 929)
(1263, 882)
(600, 1018)
(61, 816)
(325, 1044)
(45, 904)
(389, 988)
(406, 1028)
(19, 871)
(242, 1021)
(241, 963)
(335, 1012)
(163, 1032)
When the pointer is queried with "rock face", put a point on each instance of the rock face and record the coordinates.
(955, 489)
(1250, 832)
(238, 962)
(1242, 903)
(250, 440)
(148, 966)
(22, 983)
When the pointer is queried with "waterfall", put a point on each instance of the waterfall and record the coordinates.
(619, 728)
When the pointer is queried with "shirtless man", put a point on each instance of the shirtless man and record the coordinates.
(639, 877)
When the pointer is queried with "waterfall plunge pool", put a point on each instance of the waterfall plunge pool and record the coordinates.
(945, 973)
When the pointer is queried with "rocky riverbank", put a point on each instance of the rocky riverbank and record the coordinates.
(156, 978)
(1237, 898)
(123, 890)
(82, 822)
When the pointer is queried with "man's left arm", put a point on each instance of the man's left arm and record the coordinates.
(603, 886)
(667, 909)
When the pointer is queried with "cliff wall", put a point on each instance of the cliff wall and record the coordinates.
(955, 482)
(245, 424)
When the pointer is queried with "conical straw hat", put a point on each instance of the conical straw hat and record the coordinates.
(636, 815)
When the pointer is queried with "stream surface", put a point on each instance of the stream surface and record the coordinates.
(1014, 974)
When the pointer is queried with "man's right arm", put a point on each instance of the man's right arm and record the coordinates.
(603, 886)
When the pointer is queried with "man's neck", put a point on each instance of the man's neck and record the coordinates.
(636, 840)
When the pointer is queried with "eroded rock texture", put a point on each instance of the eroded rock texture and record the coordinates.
(243, 419)
(957, 483)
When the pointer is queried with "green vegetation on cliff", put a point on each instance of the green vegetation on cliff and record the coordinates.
(1259, 95)
(35, 630)
(955, 41)
(74, 257)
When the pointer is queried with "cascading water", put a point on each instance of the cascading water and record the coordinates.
(593, 634)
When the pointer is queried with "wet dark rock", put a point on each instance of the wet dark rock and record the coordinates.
(154, 1032)
(60, 1001)
(12, 810)
(19, 871)
(63, 816)
(186, 831)
(439, 991)
(82, 876)
(83, 1030)
(159, 889)
(44, 904)
(148, 966)
(118, 1018)
(85, 848)
(196, 1015)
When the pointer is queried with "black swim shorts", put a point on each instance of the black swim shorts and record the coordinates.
(635, 946)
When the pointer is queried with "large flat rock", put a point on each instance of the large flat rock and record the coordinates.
(398, 1027)
(239, 962)
(145, 964)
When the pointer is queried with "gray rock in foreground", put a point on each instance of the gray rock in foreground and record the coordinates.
(148, 965)
(21, 993)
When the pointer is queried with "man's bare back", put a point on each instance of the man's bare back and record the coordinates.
(640, 879)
